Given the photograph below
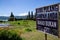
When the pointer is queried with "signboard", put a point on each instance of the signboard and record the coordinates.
(47, 19)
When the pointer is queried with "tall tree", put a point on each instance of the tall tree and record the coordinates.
(35, 16)
(11, 14)
(11, 18)
(31, 14)
(28, 17)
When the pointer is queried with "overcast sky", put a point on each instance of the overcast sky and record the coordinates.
(21, 7)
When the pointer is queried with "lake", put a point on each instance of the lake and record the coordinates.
(5, 18)
(4, 25)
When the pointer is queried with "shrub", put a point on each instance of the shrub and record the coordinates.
(7, 35)
(27, 29)
(18, 23)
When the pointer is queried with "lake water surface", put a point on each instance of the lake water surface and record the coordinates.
(4, 25)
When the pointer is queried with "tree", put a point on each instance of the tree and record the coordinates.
(34, 17)
(28, 17)
(11, 18)
(31, 14)
(11, 14)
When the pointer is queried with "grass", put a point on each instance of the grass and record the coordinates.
(38, 36)
(24, 24)
(21, 26)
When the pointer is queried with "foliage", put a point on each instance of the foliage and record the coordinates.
(7, 35)
(28, 30)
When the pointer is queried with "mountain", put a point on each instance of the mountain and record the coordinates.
(5, 18)
(20, 17)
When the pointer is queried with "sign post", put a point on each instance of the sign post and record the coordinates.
(48, 19)
(45, 36)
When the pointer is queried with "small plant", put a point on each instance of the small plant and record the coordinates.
(28, 30)
(18, 23)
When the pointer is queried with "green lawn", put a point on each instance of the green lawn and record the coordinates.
(27, 30)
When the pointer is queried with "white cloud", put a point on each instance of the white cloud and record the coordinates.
(4, 15)
(23, 14)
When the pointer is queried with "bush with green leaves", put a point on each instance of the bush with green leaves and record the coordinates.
(28, 30)
(8, 35)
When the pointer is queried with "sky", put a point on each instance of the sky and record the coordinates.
(22, 7)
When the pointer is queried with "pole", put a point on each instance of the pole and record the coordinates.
(45, 30)
(45, 36)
